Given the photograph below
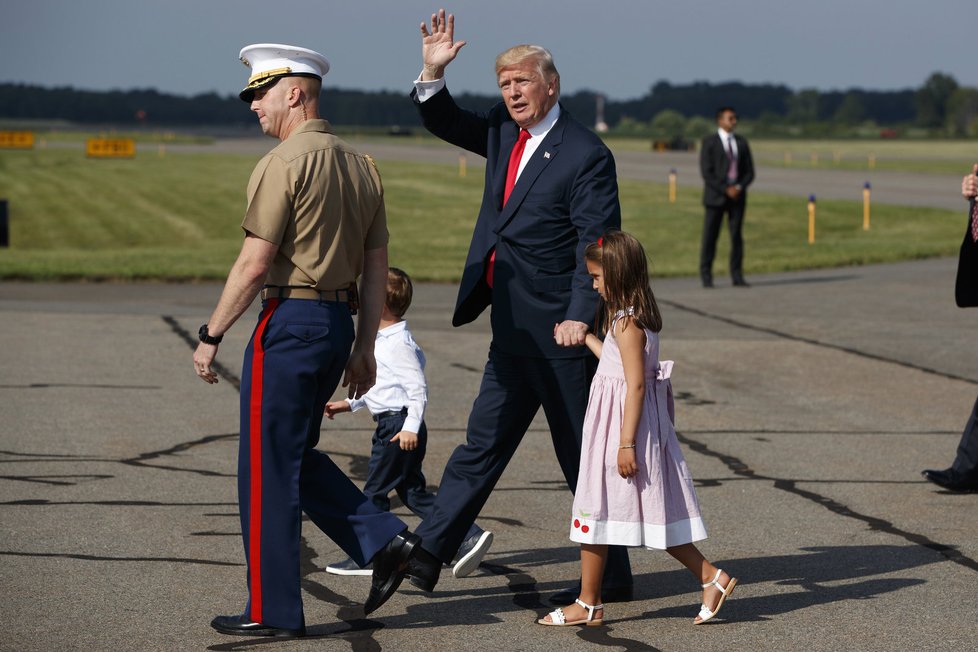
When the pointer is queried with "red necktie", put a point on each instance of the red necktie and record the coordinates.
(974, 222)
(514, 167)
(514, 163)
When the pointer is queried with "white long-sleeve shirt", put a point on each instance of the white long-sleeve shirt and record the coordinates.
(400, 377)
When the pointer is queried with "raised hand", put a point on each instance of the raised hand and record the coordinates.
(438, 46)
(969, 185)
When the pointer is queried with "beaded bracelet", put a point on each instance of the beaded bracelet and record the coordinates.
(631, 446)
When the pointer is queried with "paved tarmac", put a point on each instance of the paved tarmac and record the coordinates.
(807, 406)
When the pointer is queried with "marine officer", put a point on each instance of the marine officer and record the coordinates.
(315, 222)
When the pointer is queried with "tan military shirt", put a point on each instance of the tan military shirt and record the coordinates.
(322, 203)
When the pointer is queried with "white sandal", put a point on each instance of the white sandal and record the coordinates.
(557, 618)
(725, 591)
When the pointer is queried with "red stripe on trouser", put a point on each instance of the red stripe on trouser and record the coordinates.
(254, 450)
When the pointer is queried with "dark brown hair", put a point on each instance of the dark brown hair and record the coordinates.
(724, 109)
(399, 291)
(625, 268)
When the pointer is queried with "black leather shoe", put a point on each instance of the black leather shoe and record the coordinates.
(608, 594)
(951, 480)
(707, 283)
(390, 565)
(740, 282)
(423, 570)
(241, 626)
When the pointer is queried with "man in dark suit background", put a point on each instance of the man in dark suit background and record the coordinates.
(963, 473)
(551, 188)
(727, 168)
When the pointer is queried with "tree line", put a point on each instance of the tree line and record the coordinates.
(939, 107)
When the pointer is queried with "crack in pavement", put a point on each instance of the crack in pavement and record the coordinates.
(83, 557)
(808, 340)
(738, 467)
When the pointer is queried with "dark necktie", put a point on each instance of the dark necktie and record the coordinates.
(732, 169)
(514, 167)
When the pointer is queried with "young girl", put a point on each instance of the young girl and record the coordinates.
(634, 488)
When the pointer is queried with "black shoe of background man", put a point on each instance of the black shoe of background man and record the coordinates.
(740, 282)
(423, 570)
(951, 480)
(707, 283)
(608, 594)
(390, 565)
(242, 626)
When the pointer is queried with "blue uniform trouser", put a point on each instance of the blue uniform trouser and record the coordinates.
(292, 365)
(393, 469)
(513, 390)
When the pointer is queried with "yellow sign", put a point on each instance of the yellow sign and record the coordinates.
(110, 147)
(17, 139)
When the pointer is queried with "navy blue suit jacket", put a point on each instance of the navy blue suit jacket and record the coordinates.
(966, 283)
(565, 198)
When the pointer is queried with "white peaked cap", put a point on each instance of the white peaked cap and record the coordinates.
(270, 61)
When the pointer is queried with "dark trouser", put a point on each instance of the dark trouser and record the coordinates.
(393, 469)
(966, 460)
(513, 390)
(292, 364)
(712, 221)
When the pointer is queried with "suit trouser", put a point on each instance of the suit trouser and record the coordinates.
(712, 221)
(292, 365)
(513, 390)
(966, 460)
(393, 469)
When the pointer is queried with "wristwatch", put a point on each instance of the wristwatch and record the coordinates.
(207, 338)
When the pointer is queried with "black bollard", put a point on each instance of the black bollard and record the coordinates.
(4, 225)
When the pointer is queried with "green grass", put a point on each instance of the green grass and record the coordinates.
(58, 131)
(776, 232)
(177, 217)
(946, 157)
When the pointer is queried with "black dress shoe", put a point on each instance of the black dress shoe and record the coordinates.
(390, 565)
(951, 480)
(707, 283)
(423, 570)
(241, 626)
(608, 594)
(740, 282)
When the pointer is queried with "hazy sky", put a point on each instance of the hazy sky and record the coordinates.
(619, 47)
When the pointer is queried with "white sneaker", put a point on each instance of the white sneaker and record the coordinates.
(470, 554)
(349, 567)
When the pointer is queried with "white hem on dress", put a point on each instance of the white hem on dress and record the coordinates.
(627, 533)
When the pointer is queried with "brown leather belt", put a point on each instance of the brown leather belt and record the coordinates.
(333, 296)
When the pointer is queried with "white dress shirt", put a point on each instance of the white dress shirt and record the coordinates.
(728, 140)
(426, 89)
(400, 377)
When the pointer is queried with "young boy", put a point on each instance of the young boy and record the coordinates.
(397, 402)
